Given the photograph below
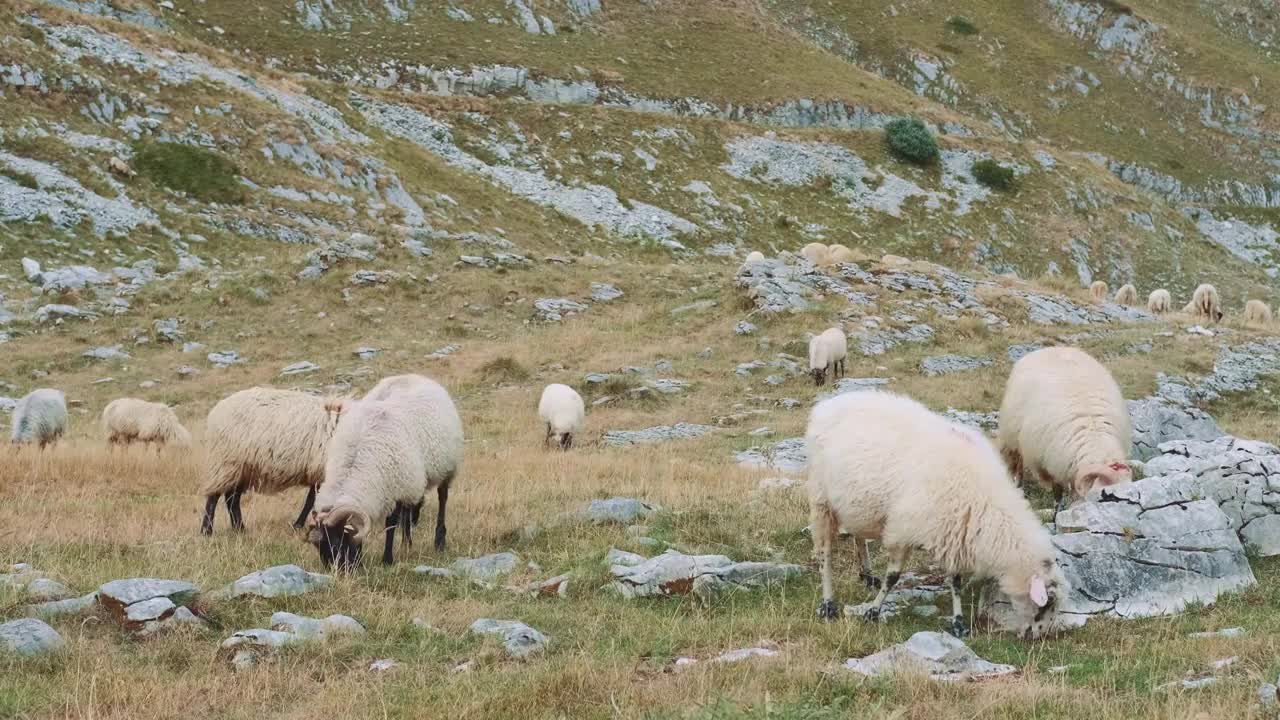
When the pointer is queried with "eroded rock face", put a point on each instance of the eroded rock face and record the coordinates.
(939, 655)
(1157, 420)
(674, 573)
(155, 600)
(1144, 549)
(1242, 476)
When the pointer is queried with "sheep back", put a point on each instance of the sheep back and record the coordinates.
(39, 417)
(130, 419)
(268, 440)
(1064, 416)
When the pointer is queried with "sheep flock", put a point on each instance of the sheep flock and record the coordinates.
(369, 463)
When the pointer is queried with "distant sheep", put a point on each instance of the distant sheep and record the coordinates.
(266, 440)
(755, 256)
(384, 457)
(40, 417)
(1257, 312)
(828, 351)
(1127, 295)
(1205, 303)
(130, 420)
(883, 467)
(1159, 302)
(840, 254)
(564, 413)
(817, 254)
(1064, 419)
(1098, 291)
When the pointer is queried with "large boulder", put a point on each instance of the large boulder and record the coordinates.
(1143, 549)
(1242, 476)
(1157, 420)
(28, 637)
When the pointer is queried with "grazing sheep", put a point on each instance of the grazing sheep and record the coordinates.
(884, 467)
(1159, 302)
(1205, 303)
(1257, 312)
(817, 254)
(130, 420)
(755, 256)
(1127, 295)
(827, 351)
(1064, 419)
(384, 457)
(840, 254)
(266, 440)
(39, 417)
(561, 408)
(1098, 291)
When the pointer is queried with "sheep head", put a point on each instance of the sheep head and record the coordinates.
(339, 535)
(1036, 599)
(1091, 477)
(819, 376)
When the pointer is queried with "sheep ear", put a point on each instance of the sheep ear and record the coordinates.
(1039, 593)
(358, 525)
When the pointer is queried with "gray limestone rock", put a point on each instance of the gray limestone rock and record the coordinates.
(520, 640)
(487, 567)
(947, 364)
(674, 573)
(938, 655)
(620, 510)
(28, 638)
(786, 456)
(556, 309)
(603, 292)
(659, 434)
(278, 581)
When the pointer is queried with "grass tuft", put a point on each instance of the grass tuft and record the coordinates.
(202, 174)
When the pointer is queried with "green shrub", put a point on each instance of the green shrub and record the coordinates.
(993, 174)
(910, 140)
(961, 25)
(202, 174)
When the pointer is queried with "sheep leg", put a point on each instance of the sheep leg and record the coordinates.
(393, 520)
(897, 558)
(864, 566)
(825, 527)
(233, 508)
(566, 442)
(546, 441)
(442, 495)
(210, 507)
(307, 504)
(957, 626)
(409, 518)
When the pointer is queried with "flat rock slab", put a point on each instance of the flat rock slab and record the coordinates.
(938, 655)
(29, 637)
(118, 595)
(786, 456)
(316, 628)
(1143, 549)
(278, 581)
(519, 639)
(72, 606)
(619, 510)
(947, 364)
(674, 573)
(488, 567)
(658, 434)
(1242, 476)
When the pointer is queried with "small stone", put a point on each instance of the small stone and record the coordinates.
(112, 352)
(744, 654)
(306, 628)
(29, 637)
(225, 358)
(366, 353)
(602, 292)
(744, 328)
(619, 510)
(153, 609)
(1231, 632)
(487, 567)
(72, 606)
(382, 665)
(278, 581)
(695, 307)
(44, 589)
(941, 656)
(1058, 669)
(623, 558)
(520, 640)
(299, 368)
(947, 364)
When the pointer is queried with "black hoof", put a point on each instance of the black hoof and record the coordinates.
(872, 615)
(828, 610)
(871, 581)
(958, 627)
(299, 525)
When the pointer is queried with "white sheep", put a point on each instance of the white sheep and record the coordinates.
(840, 254)
(1159, 302)
(884, 467)
(1098, 291)
(266, 440)
(828, 351)
(562, 409)
(39, 417)
(1064, 420)
(1127, 295)
(1205, 303)
(384, 457)
(1257, 312)
(816, 253)
(755, 256)
(130, 420)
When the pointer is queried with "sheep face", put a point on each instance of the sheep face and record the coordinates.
(1035, 603)
(1091, 477)
(819, 376)
(340, 538)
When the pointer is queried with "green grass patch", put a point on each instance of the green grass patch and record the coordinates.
(202, 174)
(961, 25)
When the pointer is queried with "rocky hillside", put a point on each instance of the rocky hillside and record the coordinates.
(201, 196)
